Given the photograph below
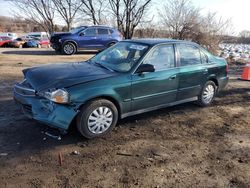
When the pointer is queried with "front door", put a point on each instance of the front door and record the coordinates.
(88, 38)
(155, 89)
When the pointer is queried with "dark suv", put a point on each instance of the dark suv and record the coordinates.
(86, 38)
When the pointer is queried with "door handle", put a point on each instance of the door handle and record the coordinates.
(172, 77)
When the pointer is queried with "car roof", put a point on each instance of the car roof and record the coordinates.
(156, 41)
(101, 26)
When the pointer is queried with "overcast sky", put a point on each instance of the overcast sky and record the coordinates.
(236, 10)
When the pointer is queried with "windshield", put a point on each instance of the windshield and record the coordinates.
(121, 57)
(76, 30)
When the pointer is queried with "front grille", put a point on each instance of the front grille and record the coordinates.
(54, 39)
(25, 89)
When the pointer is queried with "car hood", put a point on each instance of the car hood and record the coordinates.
(64, 75)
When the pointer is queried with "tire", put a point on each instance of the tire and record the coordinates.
(207, 94)
(97, 118)
(69, 48)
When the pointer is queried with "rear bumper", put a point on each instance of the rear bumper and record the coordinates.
(45, 111)
(223, 82)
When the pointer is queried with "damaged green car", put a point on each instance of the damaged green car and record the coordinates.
(131, 77)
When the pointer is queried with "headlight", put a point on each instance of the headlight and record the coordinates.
(58, 96)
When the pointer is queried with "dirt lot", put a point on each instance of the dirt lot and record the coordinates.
(182, 146)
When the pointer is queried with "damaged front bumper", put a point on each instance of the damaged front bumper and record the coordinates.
(43, 110)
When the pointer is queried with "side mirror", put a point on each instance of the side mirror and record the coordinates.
(145, 68)
(82, 34)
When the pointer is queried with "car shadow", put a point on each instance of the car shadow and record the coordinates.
(43, 52)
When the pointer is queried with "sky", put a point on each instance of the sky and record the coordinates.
(236, 10)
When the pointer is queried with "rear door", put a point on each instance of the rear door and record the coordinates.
(192, 74)
(157, 88)
(103, 37)
(88, 38)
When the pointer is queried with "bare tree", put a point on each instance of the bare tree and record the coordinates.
(95, 11)
(128, 14)
(179, 17)
(244, 34)
(185, 21)
(40, 12)
(68, 10)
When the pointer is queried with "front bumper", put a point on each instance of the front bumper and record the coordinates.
(44, 110)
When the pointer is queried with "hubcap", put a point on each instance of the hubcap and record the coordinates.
(68, 49)
(100, 120)
(208, 94)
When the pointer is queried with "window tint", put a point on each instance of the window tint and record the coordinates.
(189, 55)
(102, 31)
(90, 32)
(162, 57)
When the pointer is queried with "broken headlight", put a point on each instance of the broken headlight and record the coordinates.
(57, 96)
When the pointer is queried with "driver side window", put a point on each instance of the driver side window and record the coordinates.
(162, 57)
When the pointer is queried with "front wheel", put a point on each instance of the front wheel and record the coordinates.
(69, 48)
(97, 118)
(207, 94)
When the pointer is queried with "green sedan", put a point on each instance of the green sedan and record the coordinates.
(129, 78)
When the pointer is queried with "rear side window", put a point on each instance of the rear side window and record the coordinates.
(162, 57)
(189, 55)
(102, 31)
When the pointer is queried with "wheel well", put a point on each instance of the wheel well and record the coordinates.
(111, 99)
(215, 81)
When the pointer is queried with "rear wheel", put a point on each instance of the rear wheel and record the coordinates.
(69, 48)
(207, 94)
(97, 118)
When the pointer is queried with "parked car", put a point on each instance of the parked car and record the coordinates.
(37, 43)
(131, 77)
(10, 35)
(4, 41)
(44, 42)
(85, 37)
(17, 43)
(38, 35)
(31, 44)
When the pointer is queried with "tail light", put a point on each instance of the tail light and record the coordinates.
(227, 68)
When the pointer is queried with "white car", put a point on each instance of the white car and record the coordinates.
(13, 36)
